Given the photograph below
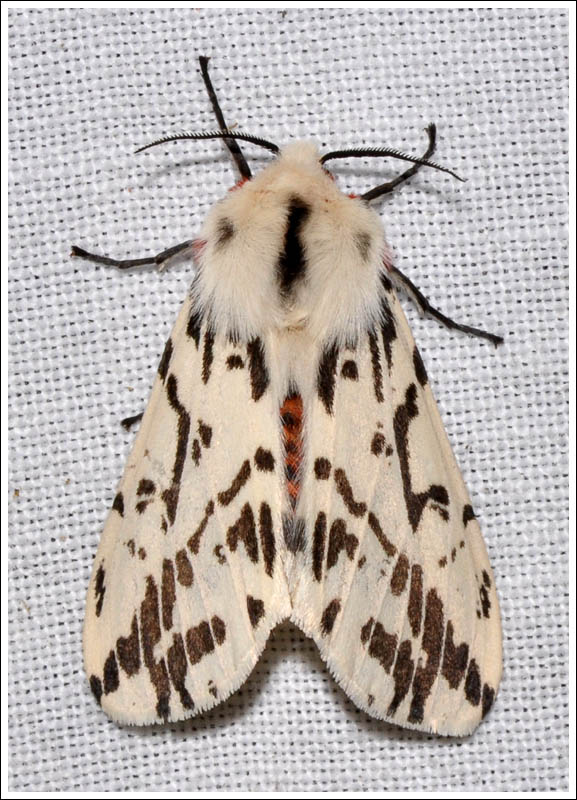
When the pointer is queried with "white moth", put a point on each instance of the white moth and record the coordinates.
(347, 516)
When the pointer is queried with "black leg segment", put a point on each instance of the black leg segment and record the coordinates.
(427, 308)
(158, 260)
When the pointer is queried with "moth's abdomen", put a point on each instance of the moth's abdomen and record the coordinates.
(292, 421)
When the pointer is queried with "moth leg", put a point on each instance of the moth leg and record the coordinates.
(386, 188)
(427, 308)
(128, 422)
(158, 260)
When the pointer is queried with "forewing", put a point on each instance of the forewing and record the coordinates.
(393, 581)
(188, 581)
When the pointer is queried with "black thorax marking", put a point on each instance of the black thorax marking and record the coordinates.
(292, 261)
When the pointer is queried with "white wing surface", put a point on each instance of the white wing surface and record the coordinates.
(393, 580)
(188, 579)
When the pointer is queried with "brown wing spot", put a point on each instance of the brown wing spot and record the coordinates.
(415, 607)
(118, 504)
(473, 684)
(468, 514)
(196, 452)
(485, 601)
(259, 378)
(165, 360)
(244, 530)
(388, 332)
(339, 540)
(400, 575)
(361, 562)
(319, 536)
(184, 572)
(382, 645)
(111, 677)
(242, 476)
(194, 541)
(193, 327)
(199, 642)
(366, 630)
(150, 633)
(177, 667)
(170, 495)
(488, 699)
(329, 616)
(141, 506)
(96, 687)
(420, 370)
(207, 355)
(350, 371)
(212, 688)
(255, 610)
(378, 444)
(385, 543)
(431, 644)
(146, 487)
(264, 460)
(344, 489)
(99, 589)
(377, 367)
(170, 498)
(443, 562)
(267, 540)
(219, 553)
(234, 362)
(218, 629)
(370, 700)
(205, 433)
(454, 659)
(141, 553)
(442, 512)
(402, 675)
(322, 469)
(131, 546)
(128, 650)
(326, 376)
(168, 592)
(414, 501)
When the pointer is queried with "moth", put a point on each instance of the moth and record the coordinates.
(292, 464)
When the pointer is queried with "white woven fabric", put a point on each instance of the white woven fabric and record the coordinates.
(87, 87)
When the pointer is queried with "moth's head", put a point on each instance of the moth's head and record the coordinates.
(287, 250)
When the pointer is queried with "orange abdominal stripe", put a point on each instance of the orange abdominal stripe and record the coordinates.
(292, 421)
